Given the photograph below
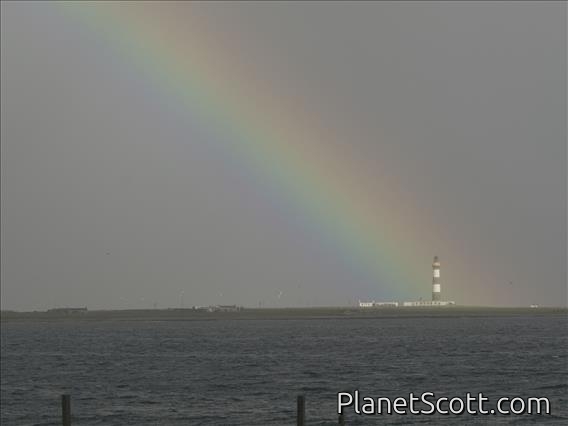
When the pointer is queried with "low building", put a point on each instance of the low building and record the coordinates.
(425, 303)
(386, 304)
(67, 311)
(374, 304)
(224, 308)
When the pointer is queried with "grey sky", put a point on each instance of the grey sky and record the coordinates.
(110, 200)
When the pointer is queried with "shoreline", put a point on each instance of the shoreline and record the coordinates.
(188, 314)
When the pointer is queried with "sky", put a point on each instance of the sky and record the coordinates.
(282, 154)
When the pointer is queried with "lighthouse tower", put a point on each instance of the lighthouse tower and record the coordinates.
(436, 288)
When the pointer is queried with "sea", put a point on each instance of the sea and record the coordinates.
(250, 372)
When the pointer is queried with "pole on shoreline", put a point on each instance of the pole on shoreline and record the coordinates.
(66, 410)
(301, 410)
(341, 420)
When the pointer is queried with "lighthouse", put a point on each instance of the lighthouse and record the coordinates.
(436, 288)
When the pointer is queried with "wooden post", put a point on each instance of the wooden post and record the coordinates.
(66, 409)
(341, 420)
(301, 410)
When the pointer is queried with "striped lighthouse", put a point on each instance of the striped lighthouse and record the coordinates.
(436, 288)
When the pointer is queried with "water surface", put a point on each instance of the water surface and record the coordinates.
(248, 372)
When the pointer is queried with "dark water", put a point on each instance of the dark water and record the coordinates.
(249, 372)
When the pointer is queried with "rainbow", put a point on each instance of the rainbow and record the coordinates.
(283, 154)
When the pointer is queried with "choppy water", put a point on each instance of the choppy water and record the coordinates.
(249, 372)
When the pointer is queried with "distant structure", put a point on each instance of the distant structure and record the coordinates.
(436, 288)
(374, 304)
(436, 294)
(67, 311)
(387, 304)
(218, 308)
(418, 303)
(225, 308)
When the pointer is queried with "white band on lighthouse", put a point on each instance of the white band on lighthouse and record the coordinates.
(436, 288)
(437, 273)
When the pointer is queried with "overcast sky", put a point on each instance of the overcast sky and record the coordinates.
(109, 199)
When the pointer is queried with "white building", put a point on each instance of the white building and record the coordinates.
(374, 304)
(387, 304)
(429, 303)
